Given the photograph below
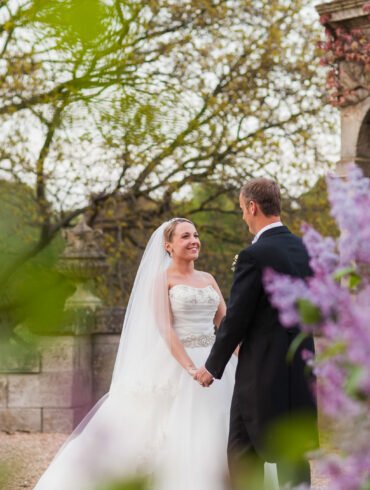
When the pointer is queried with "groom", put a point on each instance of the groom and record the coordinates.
(268, 387)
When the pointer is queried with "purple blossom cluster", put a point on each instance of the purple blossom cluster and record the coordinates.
(350, 204)
(348, 474)
(322, 251)
(334, 305)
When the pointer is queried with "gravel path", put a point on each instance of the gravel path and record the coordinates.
(24, 457)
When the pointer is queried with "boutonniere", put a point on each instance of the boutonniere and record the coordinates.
(233, 265)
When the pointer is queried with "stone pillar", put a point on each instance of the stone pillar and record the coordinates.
(106, 338)
(52, 389)
(347, 52)
(67, 361)
(344, 19)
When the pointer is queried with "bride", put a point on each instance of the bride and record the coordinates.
(156, 421)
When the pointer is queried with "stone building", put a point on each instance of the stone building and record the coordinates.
(353, 68)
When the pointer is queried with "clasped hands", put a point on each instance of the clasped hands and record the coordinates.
(201, 375)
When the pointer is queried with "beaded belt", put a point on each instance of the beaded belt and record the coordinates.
(198, 340)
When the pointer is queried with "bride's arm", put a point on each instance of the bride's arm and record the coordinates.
(177, 349)
(179, 353)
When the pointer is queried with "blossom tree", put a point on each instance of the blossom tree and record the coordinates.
(334, 304)
(346, 52)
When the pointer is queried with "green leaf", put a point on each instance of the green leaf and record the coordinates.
(353, 281)
(292, 436)
(352, 384)
(339, 274)
(332, 350)
(351, 274)
(309, 313)
(366, 485)
(294, 345)
(136, 484)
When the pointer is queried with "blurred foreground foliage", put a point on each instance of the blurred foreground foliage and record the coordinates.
(34, 295)
(130, 112)
(135, 484)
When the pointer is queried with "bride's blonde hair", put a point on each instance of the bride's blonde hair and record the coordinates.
(171, 227)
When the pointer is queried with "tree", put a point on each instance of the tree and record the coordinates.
(144, 99)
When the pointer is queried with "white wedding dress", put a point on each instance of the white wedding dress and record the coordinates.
(176, 436)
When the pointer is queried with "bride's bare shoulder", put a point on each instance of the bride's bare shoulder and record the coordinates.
(171, 278)
(206, 276)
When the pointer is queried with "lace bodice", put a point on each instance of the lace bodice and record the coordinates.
(193, 311)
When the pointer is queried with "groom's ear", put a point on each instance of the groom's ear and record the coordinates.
(254, 207)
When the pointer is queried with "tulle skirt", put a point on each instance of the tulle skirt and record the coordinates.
(176, 437)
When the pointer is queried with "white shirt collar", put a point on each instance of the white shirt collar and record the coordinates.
(265, 228)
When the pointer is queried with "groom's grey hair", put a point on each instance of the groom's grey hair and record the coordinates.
(265, 192)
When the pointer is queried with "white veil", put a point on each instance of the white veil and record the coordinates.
(129, 422)
(143, 353)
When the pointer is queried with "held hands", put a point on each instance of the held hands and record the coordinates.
(191, 370)
(203, 377)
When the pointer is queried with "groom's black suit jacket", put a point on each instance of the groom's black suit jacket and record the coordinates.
(267, 386)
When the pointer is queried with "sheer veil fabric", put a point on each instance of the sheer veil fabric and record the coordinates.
(120, 436)
(143, 353)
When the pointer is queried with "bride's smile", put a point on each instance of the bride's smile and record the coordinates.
(184, 242)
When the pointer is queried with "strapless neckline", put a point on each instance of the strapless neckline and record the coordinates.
(191, 287)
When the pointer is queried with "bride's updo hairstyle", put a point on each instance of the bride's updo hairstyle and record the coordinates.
(171, 227)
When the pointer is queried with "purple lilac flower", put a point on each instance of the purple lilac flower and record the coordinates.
(331, 390)
(321, 292)
(347, 473)
(327, 295)
(307, 355)
(284, 292)
(350, 201)
(322, 251)
(356, 335)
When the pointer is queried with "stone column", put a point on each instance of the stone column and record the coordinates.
(347, 52)
(54, 388)
(106, 338)
(68, 359)
(347, 22)
(82, 260)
